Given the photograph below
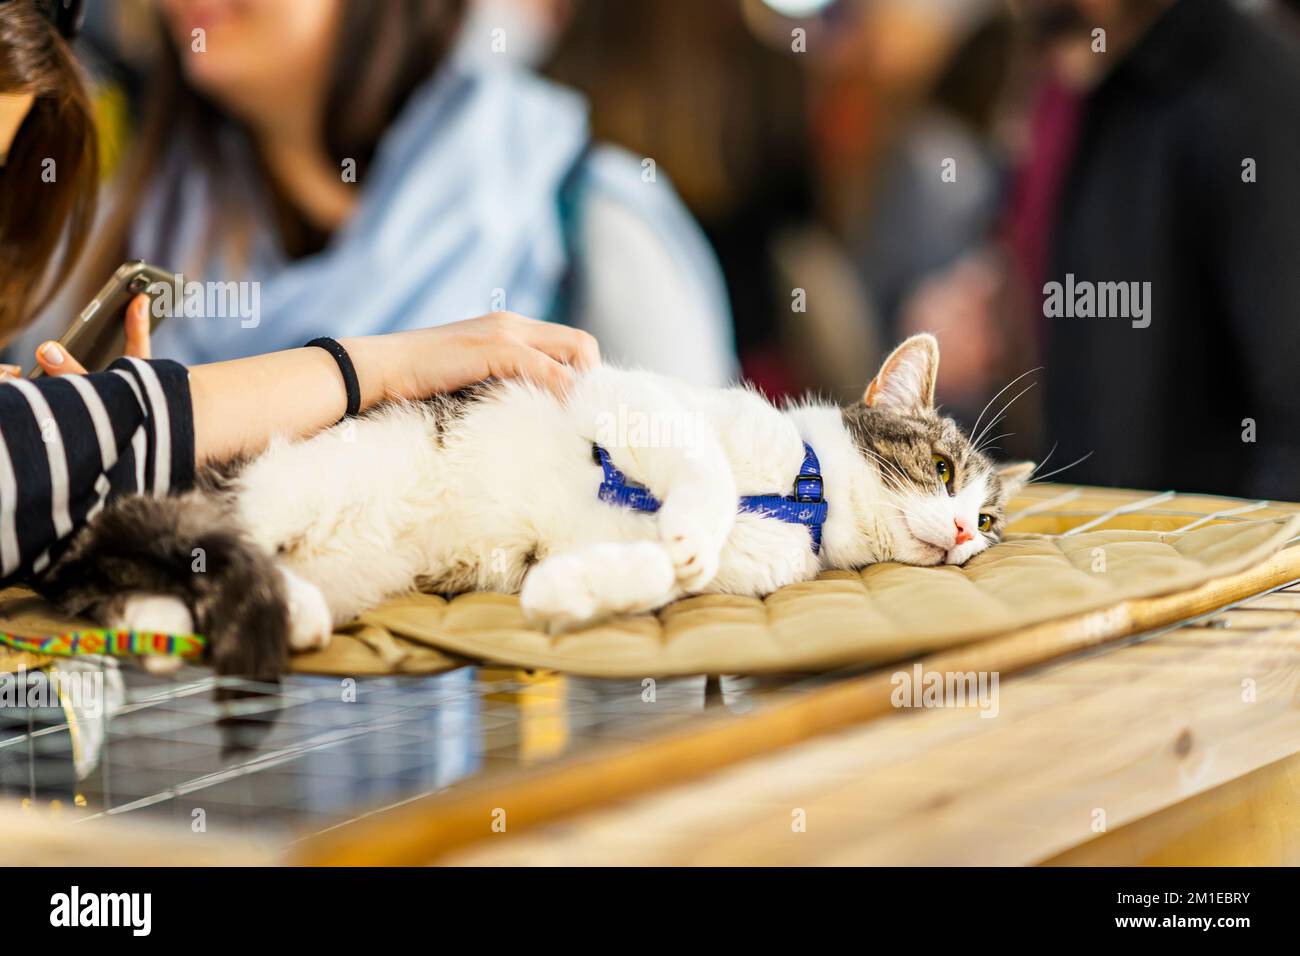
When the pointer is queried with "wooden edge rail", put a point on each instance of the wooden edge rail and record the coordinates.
(421, 831)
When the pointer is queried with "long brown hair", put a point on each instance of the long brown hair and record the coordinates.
(49, 182)
(385, 51)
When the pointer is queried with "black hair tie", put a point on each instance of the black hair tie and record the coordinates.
(346, 367)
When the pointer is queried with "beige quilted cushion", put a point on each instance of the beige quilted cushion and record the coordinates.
(881, 612)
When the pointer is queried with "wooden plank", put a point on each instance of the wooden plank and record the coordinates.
(1251, 821)
(947, 787)
(32, 838)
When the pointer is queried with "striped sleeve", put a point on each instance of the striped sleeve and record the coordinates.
(69, 445)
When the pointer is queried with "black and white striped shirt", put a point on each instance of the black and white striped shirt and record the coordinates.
(72, 443)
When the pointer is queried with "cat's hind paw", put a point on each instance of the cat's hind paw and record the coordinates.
(568, 590)
(555, 594)
(311, 625)
(156, 614)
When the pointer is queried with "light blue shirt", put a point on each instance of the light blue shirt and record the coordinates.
(459, 215)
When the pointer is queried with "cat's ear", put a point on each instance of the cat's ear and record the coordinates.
(905, 383)
(1014, 476)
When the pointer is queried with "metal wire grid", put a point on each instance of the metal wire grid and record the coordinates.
(289, 758)
(294, 758)
(1096, 508)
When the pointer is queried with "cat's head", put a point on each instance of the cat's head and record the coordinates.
(945, 500)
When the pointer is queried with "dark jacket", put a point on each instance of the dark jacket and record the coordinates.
(1156, 193)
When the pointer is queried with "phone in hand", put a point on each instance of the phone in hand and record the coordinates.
(97, 336)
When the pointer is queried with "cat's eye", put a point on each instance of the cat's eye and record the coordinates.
(942, 467)
(986, 522)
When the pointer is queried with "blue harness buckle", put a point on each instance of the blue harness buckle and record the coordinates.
(808, 488)
(806, 506)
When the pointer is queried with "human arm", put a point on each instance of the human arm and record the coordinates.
(306, 391)
(69, 442)
(239, 404)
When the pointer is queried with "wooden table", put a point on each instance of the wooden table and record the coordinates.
(1179, 749)
(1177, 743)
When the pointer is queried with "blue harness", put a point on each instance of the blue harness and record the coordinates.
(806, 506)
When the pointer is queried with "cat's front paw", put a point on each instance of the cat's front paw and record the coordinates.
(694, 538)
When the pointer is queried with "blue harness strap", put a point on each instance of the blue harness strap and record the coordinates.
(806, 506)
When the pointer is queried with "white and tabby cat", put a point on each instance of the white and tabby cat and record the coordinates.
(496, 488)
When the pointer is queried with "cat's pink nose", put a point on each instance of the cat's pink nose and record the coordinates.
(964, 533)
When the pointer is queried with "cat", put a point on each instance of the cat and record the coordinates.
(496, 488)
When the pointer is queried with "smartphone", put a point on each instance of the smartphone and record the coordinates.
(97, 336)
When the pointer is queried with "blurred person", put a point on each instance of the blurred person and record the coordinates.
(534, 27)
(70, 443)
(339, 155)
(924, 246)
(690, 86)
(1116, 184)
(1167, 163)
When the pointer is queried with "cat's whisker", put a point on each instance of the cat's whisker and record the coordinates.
(1001, 416)
(880, 459)
(1002, 413)
(984, 445)
(892, 483)
(908, 481)
(910, 512)
(1042, 464)
(914, 515)
(975, 427)
(898, 489)
(897, 480)
(890, 465)
(1059, 470)
(993, 423)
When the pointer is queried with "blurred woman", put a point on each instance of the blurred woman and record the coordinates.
(334, 152)
(71, 443)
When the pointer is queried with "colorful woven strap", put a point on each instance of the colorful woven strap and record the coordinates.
(103, 641)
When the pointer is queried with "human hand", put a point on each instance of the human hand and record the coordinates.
(502, 345)
(55, 360)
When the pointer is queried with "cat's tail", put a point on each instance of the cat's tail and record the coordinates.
(191, 548)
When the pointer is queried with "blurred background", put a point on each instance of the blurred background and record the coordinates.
(778, 189)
